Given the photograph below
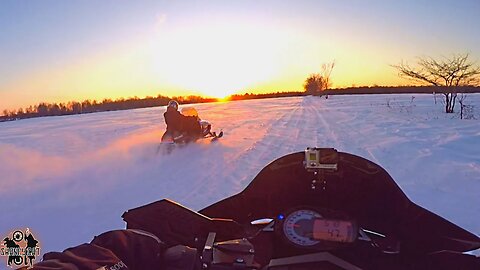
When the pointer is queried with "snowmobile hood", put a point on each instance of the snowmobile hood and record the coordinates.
(358, 187)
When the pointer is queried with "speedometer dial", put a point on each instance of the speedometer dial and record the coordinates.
(298, 227)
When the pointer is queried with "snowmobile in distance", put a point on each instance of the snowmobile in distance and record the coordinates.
(201, 129)
(317, 209)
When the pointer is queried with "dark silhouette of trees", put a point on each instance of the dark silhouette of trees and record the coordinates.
(247, 96)
(318, 82)
(417, 89)
(313, 84)
(91, 106)
(451, 72)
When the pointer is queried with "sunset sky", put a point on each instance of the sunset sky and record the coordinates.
(56, 51)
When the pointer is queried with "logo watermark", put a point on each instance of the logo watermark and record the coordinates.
(21, 248)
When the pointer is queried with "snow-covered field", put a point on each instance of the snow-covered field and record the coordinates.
(69, 178)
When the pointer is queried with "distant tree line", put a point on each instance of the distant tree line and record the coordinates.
(359, 90)
(266, 95)
(399, 90)
(90, 106)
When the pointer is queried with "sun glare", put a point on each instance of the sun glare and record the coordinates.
(217, 61)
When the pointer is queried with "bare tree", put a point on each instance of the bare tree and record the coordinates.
(326, 72)
(318, 82)
(313, 84)
(466, 110)
(447, 72)
(461, 100)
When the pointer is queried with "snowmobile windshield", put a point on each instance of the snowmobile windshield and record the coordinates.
(189, 111)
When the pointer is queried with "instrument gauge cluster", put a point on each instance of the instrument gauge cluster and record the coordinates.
(310, 228)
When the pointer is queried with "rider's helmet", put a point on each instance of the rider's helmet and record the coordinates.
(173, 104)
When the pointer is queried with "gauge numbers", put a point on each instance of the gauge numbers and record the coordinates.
(298, 227)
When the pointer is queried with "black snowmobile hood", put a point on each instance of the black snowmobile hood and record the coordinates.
(358, 187)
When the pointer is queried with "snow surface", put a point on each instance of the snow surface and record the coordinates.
(69, 178)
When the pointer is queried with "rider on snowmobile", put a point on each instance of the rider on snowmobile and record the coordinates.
(188, 127)
(173, 119)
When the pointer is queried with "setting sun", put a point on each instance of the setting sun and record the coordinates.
(217, 61)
